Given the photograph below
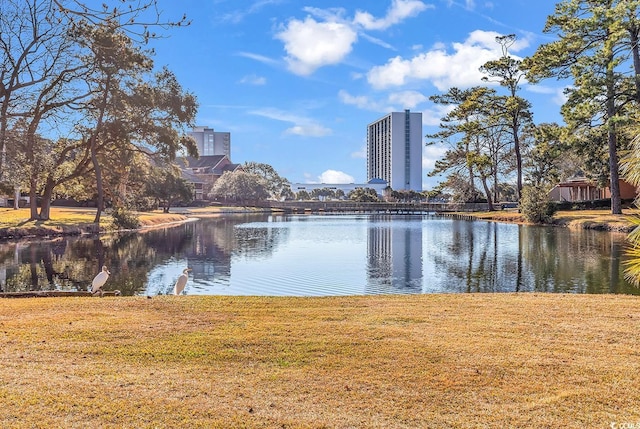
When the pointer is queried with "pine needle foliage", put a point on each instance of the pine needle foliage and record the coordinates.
(535, 205)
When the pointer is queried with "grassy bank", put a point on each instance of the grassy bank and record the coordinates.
(74, 220)
(427, 361)
(69, 221)
(579, 219)
(68, 216)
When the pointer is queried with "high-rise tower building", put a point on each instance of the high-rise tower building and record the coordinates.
(394, 150)
(212, 143)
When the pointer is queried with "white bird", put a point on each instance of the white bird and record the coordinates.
(100, 280)
(182, 281)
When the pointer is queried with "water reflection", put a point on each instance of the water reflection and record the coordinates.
(326, 255)
(394, 255)
(494, 257)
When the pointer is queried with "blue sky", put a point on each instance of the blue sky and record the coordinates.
(296, 82)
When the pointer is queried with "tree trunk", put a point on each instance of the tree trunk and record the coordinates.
(495, 180)
(122, 189)
(33, 199)
(5, 95)
(16, 198)
(99, 187)
(45, 207)
(29, 145)
(94, 150)
(472, 184)
(516, 147)
(614, 186)
(614, 173)
(635, 53)
(487, 192)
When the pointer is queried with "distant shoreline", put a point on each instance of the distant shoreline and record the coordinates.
(80, 220)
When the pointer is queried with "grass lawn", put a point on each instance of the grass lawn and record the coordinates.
(68, 217)
(59, 216)
(425, 361)
(594, 219)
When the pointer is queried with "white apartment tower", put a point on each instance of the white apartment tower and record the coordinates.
(212, 143)
(394, 150)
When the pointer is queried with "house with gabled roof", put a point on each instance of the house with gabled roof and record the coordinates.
(196, 182)
(580, 188)
(203, 172)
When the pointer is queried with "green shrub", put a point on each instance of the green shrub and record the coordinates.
(124, 219)
(535, 205)
(146, 204)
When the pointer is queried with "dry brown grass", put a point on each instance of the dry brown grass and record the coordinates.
(426, 361)
(596, 219)
(156, 218)
(70, 220)
(580, 219)
(59, 216)
(62, 218)
(499, 216)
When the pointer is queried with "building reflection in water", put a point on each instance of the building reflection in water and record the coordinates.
(394, 255)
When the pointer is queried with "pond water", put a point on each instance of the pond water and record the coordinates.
(323, 255)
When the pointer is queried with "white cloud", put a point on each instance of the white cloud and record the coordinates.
(257, 57)
(309, 130)
(325, 37)
(253, 80)
(433, 116)
(407, 99)
(377, 41)
(559, 96)
(335, 14)
(335, 177)
(237, 16)
(311, 44)
(363, 102)
(398, 101)
(360, 153)
(443, 69)
(302, 126)
(468, 4)
(395, 101)
(431, 154)
(397, 12)
(487, 39)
